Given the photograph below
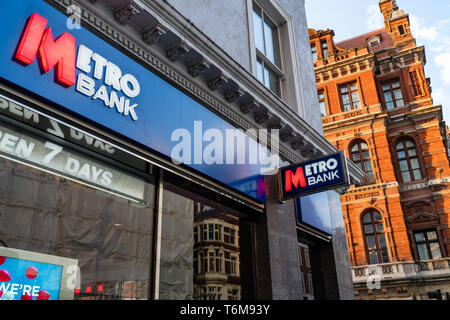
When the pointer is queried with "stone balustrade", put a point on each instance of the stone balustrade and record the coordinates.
(401, 270)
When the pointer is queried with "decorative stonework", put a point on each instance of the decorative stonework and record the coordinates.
(313, 152)
(128, 13)
(262, 115)
(234, 94)
(154, 34)
(198, 67)
(216, 82)
(299, 144)
(248, 106)
(287, 134)
(177, 51)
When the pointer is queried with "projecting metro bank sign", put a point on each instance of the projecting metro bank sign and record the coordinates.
(313, 176)
(61, 54)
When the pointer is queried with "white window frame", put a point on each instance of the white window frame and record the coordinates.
(290, 82)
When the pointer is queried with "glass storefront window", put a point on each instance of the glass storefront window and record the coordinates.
(61, 201)
(188, 263)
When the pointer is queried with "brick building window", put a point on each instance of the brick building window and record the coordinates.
(268, 58)
(407, 160)
(427, 244)
(360, 155)
(324, 46)
(393, 94)
(349, 96)
(314, 52)
(373, 228)
(322, 103)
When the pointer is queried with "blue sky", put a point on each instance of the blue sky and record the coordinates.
(430, 23)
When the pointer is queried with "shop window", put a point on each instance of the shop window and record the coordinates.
(268, 61)
(427, 244)
(408, 160)
(50, 213)
(360, 155)
(392, 93)
(322, 103)
(314, 52)
(349, 96)
(374, 233)
(324, 47)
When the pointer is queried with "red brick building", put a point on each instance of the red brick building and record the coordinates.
(376, 104)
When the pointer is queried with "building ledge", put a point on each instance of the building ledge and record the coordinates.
(402, 271)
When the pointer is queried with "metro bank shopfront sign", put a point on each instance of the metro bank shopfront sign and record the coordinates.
(314, 176)
(81, 73)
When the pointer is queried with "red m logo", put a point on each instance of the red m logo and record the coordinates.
(294, 179)
(60, 52)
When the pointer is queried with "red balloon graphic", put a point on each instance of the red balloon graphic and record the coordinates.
(26, 296)
(2, 260)
(1, 293)
(43, 295)
(31, 272)
(4, 276)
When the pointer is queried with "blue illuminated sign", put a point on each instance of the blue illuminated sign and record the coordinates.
(101, 84)
(313, 176)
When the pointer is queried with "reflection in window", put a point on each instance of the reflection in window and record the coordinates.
(373, 229)
(349, 96)
(427, 244)
(323, 109)
(393, 94)
(360, 155)
(408, 161)
(314, 52)
(324, 46)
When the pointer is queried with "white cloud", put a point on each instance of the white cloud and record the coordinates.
(441, 97)
(374, 20)
(422, 32)
(443, 61)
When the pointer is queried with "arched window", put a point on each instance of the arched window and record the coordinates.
(360, 155)
(407, 160)
(375, 237)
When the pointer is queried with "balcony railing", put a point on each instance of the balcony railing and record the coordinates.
(401, 270)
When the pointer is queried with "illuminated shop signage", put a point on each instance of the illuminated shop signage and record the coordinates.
(61, 54)
(314, 176)
(92, 80)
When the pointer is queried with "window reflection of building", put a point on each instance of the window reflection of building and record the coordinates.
(216, 255)
(305, 271)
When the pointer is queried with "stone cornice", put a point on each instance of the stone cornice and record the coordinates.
(342, 63)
